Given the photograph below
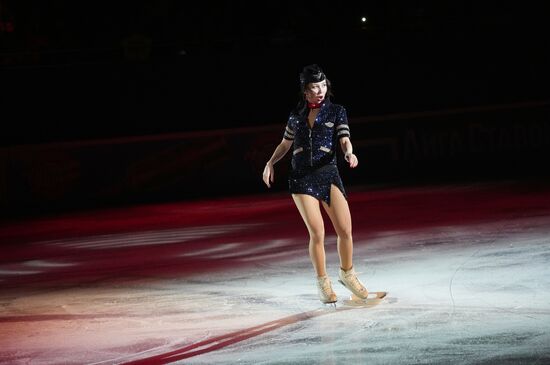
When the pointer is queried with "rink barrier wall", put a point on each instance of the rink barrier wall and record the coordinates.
(497, 141)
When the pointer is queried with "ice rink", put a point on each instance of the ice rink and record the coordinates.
(229, 281)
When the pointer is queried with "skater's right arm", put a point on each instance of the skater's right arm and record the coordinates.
(280, 152)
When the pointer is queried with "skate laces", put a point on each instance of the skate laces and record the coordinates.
(325, 285)
(351, 279)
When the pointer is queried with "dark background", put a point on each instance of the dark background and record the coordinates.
(74, 70)
(122, 102)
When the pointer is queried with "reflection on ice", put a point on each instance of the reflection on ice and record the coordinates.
(474, 292)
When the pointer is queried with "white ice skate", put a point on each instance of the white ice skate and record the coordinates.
(351, 282)
(324, 287)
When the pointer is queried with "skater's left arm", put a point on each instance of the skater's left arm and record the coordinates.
(347, 148)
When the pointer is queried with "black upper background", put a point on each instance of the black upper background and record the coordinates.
(74, 70)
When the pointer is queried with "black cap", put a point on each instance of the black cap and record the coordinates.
(311, 73)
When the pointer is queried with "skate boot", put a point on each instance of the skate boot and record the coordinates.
(324, 288)
(349, 280)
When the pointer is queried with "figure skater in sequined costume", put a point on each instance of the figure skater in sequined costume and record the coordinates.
(315, 129)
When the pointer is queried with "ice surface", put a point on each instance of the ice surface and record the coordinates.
(459, 292)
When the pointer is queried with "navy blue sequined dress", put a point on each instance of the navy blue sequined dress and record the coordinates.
(314, 167)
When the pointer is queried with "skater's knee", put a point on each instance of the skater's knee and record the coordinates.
(345, 235)
(317, 237)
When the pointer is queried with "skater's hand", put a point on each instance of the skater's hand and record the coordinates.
(352, 160)
(269, 174)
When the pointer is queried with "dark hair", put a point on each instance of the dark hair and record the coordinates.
(311, 74)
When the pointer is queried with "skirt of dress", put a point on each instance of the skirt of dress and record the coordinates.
(316, 183)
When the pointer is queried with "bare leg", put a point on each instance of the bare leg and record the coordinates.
(340, 216)
(310, 211)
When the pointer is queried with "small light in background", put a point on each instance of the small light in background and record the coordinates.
(364, 23)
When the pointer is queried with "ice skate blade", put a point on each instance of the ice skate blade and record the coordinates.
(373, 299)
(372, 295)
(333, 302)
(354, 296)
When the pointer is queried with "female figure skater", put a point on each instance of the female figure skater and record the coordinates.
(314, 130)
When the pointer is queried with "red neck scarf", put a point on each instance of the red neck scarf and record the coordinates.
(314, 105)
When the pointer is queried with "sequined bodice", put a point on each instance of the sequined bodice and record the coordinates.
(315, 147)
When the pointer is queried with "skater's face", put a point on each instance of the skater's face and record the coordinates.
(316, 92)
